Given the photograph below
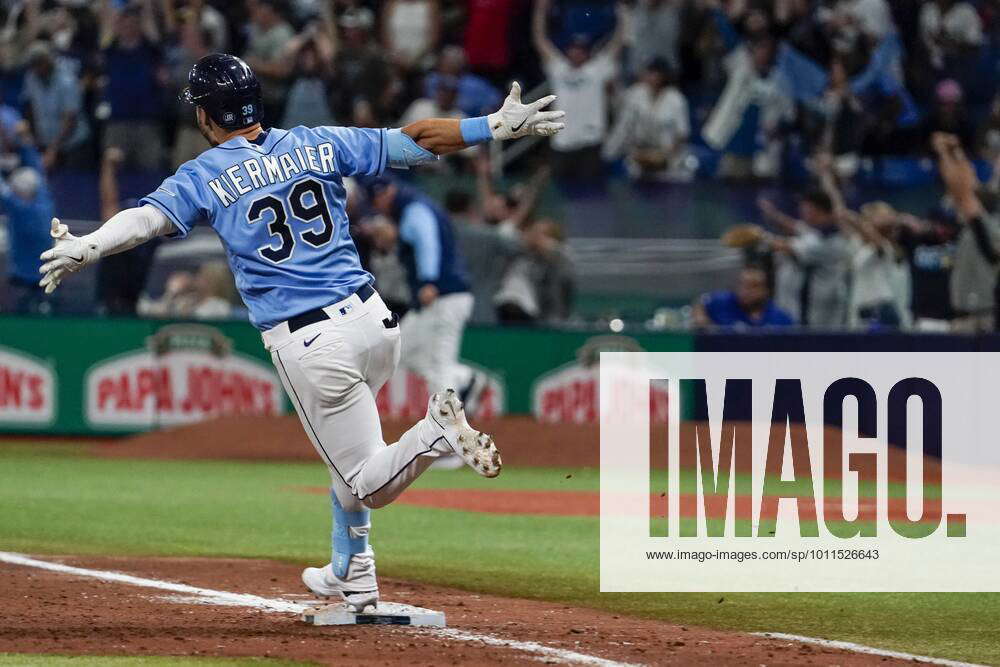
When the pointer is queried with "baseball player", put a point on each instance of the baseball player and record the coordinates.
(441, 301)
(439, 282)
(276, 199)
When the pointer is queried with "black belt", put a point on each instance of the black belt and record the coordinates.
(364, 293)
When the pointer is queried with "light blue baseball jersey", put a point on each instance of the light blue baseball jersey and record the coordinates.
(278, 205)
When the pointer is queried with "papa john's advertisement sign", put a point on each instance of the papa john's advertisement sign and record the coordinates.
(27, 389)
(405, 395)
(569, 394)
(186, 373)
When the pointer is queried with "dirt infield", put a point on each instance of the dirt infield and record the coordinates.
(61, 613)
(55, 612)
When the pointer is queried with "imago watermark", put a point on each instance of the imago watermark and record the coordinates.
(800, 471)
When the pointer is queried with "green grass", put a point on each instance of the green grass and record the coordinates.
(47, 660)
(59, 501)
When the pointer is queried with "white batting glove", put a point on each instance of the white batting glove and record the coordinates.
(67, 255)
(515, 120)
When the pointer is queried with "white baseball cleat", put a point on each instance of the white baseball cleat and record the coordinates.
(448, 462)
(358, 590)
(474, 447)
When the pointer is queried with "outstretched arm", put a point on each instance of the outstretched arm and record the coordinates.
(425, 139)
(849, 221)
(439, 136)
(960, 179)
(828, 183)
(786, 223)
(539, 34)
(125, 230)
(958, 174)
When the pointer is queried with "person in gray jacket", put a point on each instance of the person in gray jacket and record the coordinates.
(812, 262)
(977, 254)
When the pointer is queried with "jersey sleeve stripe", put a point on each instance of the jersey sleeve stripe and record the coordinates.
(383, 151)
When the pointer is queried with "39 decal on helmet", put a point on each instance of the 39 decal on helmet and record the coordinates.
(227, 89)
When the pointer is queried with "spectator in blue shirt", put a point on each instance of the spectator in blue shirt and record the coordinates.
(135, 79)
(27, 202)
(53, 102)
(748, 306)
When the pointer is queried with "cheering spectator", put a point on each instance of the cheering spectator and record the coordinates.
(363, 74)
(134, 75)
(656, 26)
(538, 286)
(929, 248)
(974, 277)
(268, 36)
(53, 102)
(193, 45)
(73, 31)
(748, 306)
(746, 121)
(309, 95)
(837, 121)
(509, 211)
(579, 78)
(410, 30)
(880, 284)
(27, 202)
(652, 128)
(812, 262)
(488, 253)
(203, 15)
(557, 282)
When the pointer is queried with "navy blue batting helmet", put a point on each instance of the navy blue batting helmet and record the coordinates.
(227, 89)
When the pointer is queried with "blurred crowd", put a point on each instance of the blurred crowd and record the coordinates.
(802, 91)
(654, 85)
(512, 258)
(740, 89)
(872, 269)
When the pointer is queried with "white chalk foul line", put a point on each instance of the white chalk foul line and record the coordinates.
(868, 650)
(225, 598)
(549, 653)
(242, 599)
